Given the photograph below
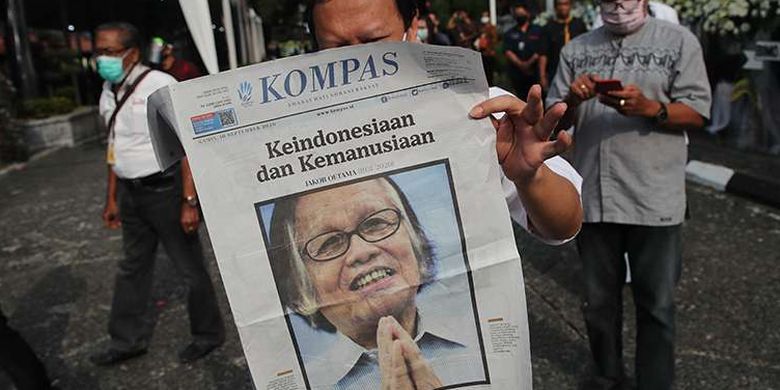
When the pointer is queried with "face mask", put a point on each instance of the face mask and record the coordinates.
(622, 21)
(485, 20)
(110, 68)
(521, 20)
(422, 34)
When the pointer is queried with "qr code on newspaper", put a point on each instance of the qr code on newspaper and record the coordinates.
(227, 117)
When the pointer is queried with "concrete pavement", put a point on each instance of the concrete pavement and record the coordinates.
(57, 264)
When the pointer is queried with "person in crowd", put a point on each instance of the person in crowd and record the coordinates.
(462, 29)
(631, 151)
(437, 37)
(558, 32)
(655, 9)
(355, 265)
(486, 45)
(179, 68)
(149, 205)
(18, 360)
(521, 45)
(424, 31)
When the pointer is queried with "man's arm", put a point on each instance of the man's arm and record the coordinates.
(111, 209)
(190, 214)
(522, 144)
(543, 71)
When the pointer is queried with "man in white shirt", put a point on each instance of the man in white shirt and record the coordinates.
(149, 205)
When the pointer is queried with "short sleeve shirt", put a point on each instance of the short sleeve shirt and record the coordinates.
(132, 142)
(523, 43)
(633, 170)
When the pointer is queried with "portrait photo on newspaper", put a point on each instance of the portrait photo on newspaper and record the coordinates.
(374, 280)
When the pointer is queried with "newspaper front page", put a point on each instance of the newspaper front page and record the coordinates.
(357, 218)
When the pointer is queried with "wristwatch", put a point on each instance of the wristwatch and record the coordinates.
(662, 116)
(191, 200)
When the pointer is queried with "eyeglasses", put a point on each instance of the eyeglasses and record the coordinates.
(612, 5)
(374, 228)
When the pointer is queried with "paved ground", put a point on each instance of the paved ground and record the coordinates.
(57, 266)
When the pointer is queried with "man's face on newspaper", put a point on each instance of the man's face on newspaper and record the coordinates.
(350, 22)
(365, 265)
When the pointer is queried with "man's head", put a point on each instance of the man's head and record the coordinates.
(117, 47)
(623, 17)
(562, 9)
(346, 257)
(335, 23)
(522, 13)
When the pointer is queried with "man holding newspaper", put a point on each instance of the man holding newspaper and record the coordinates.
(541, 188)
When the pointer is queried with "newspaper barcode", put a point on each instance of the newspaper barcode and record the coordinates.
(227, 117)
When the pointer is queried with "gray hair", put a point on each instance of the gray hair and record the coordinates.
(129, 35)
(287, 263)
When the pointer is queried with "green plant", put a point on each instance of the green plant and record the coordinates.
(45, 107)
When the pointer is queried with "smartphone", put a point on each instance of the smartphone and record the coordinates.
(605, 86)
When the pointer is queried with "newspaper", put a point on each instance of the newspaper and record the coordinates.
(357, 218)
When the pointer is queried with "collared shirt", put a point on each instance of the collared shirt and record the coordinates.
(634, 170)
(447, 337)
(133, 152)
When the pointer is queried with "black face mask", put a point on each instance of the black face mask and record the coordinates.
(521, 20)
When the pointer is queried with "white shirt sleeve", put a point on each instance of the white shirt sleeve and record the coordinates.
(516, 209)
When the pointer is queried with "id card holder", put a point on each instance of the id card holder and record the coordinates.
(110, 158)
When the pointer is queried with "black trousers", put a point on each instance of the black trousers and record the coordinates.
(655, 257)
(149, 215)
(19, 360)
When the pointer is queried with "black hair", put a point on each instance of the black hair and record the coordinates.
(129, 35)
(407, 8)
(521, 4)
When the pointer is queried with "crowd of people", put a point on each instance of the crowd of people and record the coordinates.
(529, 49)
(626, 92)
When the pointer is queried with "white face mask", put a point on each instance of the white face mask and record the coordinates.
(422, 34)
(485, 20)
(621, 21)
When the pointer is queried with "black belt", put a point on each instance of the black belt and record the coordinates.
(159, 179)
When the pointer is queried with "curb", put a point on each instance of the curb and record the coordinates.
(22, 165)
(728, 180)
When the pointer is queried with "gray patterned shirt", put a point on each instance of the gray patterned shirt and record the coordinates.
(634, 171)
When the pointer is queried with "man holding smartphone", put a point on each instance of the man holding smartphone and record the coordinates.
(632, 87)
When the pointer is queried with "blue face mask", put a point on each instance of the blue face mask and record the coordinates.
(110, 68)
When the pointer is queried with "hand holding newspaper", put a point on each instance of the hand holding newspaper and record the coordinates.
(357, 215)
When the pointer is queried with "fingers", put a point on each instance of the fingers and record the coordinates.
(400, 380)
(421, 372)
(584, 87)
(557, 147)
(550, 121)
(534, 109)
(384, 341)
(613, 102)
(505, 103)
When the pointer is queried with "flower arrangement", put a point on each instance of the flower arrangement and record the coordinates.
(737, 18)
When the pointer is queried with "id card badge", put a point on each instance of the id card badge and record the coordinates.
(110, 158)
